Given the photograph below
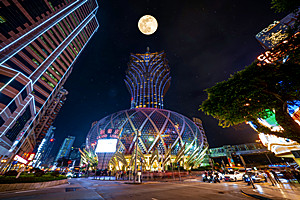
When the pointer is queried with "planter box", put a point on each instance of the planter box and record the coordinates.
(30, 186)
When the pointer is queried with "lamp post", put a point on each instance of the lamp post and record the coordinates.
(138, 134)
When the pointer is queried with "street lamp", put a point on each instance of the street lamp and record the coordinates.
(138, 134)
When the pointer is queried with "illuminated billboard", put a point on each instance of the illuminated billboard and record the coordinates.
(20, 159)
(272, 35)
(106, 146)
(276, 32)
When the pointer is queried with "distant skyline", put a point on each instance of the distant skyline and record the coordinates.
(204, 41)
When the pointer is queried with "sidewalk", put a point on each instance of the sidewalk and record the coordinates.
(279, 191)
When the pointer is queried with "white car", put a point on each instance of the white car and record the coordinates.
(233, 176)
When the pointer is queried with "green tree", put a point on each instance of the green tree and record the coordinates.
(259, 90)
(285, 5)
(256, 91)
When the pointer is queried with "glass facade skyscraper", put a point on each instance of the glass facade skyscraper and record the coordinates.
(65, 148)
(39, 42)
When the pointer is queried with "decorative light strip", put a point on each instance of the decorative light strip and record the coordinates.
(2, 88)
(60, 80)
(43, 24)
(61, 44)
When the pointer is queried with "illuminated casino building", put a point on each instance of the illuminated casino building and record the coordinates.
(162, 136)
(39, 42)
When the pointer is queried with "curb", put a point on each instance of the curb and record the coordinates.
(30, 186)
(256, 196)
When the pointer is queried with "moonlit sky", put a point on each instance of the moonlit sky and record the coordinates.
(205, 41)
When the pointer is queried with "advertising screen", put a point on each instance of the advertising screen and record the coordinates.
(106, 146)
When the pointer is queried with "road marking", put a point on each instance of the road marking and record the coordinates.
(25, 191)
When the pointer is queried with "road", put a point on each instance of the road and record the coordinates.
(84, 188)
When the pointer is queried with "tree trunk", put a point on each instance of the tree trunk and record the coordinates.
(291, 128)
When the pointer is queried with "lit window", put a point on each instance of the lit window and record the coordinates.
(2, 19)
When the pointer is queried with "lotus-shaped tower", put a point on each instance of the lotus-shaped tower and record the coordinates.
(162, 136)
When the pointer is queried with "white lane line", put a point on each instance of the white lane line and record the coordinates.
(25, 191)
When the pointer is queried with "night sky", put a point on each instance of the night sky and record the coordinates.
(205, 41)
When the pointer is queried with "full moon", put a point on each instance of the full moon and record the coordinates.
(147, 24)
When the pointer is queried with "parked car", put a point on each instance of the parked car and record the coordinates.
(233, 176)
(77, 175)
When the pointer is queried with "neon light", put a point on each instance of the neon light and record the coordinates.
(86, 21)
(15, 98)
(16, 116)
(9, 82)
(61, 79)
(43, 23)
(28, 79)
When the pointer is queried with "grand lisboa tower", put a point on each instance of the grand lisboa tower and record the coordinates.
(146, 133)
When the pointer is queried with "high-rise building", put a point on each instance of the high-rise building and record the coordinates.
(44, 148)
(65, 148)
(39, 42)
(148, 79)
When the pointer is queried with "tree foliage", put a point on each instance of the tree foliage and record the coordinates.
(285, 5)
(258, 89)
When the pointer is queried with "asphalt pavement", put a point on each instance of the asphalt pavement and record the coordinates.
(189, 189)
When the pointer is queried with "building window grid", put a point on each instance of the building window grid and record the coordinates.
(68, 55)
(58, 34)
(72, 51)
(67, 61)
(59, 26)
(57, 65)
(47, 81)
(50, 38)
(79, 15)
(36, 52)
(46, 43)
(55, 70)
(70, 23)
(41, 47)
(76, 45)
(66, 26)
(67, 31)
(62, 62)
(80, 41)
(52, 76)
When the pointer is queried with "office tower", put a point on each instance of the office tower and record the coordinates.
(39, 42)
(65, 148)
(44, 149)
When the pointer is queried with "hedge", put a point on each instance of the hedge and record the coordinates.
(29, 179)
